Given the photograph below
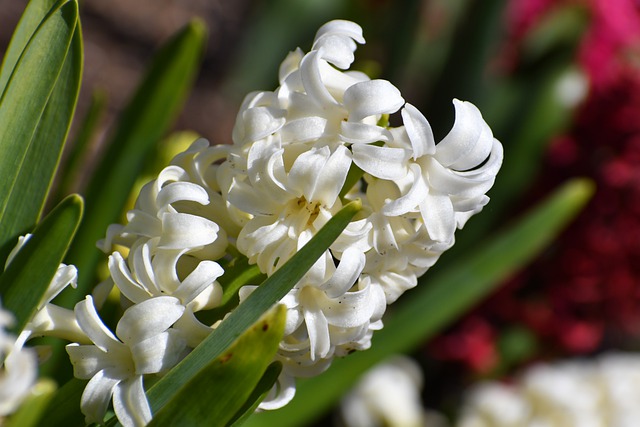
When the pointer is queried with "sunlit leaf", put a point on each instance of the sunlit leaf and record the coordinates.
(35, 113)
(221, 388)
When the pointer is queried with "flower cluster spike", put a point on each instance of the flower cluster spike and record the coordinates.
(287, 172)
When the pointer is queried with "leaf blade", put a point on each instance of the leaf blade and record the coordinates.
(224, 384)
(35, 264)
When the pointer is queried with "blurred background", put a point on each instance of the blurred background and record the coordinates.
(558, 81)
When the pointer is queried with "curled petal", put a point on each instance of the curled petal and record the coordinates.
(381, 162)
(336, 49)
(148, 318)
(260, 122)
(352, 309)
(362, 133)
(281, 393)
(312, 80)
(130, 403)
(341, 27)
(410, 201)
(125, 282)
(180, 230)
(438, 216)
(96, 397)
(182, 191)
(419, 131)
(332, 177)
(318, 330)
(461, 141)
(350, 266)
(371, 98)
(92, 325)
(290, 64)
(204, 275)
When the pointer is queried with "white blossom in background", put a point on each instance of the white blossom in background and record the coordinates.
(18, 368)
(389, 395)
(584, 393)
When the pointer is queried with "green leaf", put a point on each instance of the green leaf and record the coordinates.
(27, 277)
(437, 301)
(145, 120)
(259, 393)
(32, 16)
(64, 407)
(33, 408)
(268, 293)
(224, 384)
(86, 132)
(35, 113)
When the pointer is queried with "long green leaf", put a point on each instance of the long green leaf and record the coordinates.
(224, 385)
(34, 120)
(64, 407)
(28, 275)
(268, 293)
(436, 302)
(143, 123)
(32, 16)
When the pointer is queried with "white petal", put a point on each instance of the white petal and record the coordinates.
(410, 201)
(92, 325)
(371, 98)
(438, 216)
(159, 352)
(318, 330)
(182, 191)
(350, 266)
(342, 27)
(282, 392)
(312, 80)
(96, 397)
(87, 360)
(303, 129)
(336, 49)
(290, 64)
(419, 131)
(130, 403)
(181, 230)
(381, 162)
(331, 179)
(125, 282)
(260, 122)
(466, 130)
(204, 275)
(362, 133)
(148, 318)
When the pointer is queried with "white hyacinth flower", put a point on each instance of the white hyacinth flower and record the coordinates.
(115, 364)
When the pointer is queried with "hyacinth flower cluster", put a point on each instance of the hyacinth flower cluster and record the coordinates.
(299, 154)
